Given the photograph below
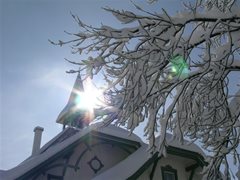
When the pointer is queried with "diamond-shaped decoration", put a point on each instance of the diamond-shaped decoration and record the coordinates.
(95, 164)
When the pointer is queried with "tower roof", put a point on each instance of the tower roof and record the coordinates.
(77, 87)
(71, 114)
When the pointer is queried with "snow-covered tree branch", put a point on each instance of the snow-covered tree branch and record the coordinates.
(172, 72)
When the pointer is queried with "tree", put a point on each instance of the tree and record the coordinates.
(172, 72)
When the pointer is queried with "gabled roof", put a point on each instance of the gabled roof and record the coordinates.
(136, 163)
(60, 143)
(132, 166)
(186, 145)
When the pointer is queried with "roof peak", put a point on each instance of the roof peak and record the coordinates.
(71, 114)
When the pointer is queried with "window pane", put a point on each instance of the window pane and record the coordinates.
(169, 175)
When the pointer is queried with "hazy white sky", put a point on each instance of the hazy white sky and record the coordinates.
(34, 85)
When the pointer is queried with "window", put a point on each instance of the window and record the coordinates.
(53, 177)
(168, 173)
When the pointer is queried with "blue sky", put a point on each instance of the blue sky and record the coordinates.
(34, 85)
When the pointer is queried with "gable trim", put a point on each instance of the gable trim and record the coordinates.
(144, 167)
(93, 134)
(173, 151)
(187, 154)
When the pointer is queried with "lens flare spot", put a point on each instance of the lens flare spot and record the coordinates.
(179, 67)
(174, 70)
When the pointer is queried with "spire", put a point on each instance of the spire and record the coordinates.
(71, 115)
(77, 88)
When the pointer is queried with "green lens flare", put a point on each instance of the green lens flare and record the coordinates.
(179, 67)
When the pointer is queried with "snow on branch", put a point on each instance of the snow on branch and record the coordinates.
(172, 72)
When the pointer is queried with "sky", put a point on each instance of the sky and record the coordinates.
(34, 87)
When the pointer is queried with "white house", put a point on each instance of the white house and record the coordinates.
(83, 151)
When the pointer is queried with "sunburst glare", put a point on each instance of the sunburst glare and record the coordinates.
(91, 97)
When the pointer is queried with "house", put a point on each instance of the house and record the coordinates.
(83, 151)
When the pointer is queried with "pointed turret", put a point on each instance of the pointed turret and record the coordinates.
(77, 88)
(71, 115)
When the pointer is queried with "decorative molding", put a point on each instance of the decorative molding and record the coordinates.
(187, 154)
(102, 141)
(192, 168)
(95, 164)
(143, 167)
(173, 151)
(154, 168)
(129, 146)
(106, 137)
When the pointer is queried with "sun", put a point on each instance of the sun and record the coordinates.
(91, 98)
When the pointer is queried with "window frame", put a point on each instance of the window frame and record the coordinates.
(54, 177)
(168, 168)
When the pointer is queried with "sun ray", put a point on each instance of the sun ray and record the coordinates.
(91, 97)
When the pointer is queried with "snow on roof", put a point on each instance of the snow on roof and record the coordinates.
(39, 158)
(119, 132)
(2, 173)
(139, 157)
(65, 134)
(136, 160)
(186, 145)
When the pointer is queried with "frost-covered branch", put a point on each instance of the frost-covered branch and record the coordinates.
(172, 72)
